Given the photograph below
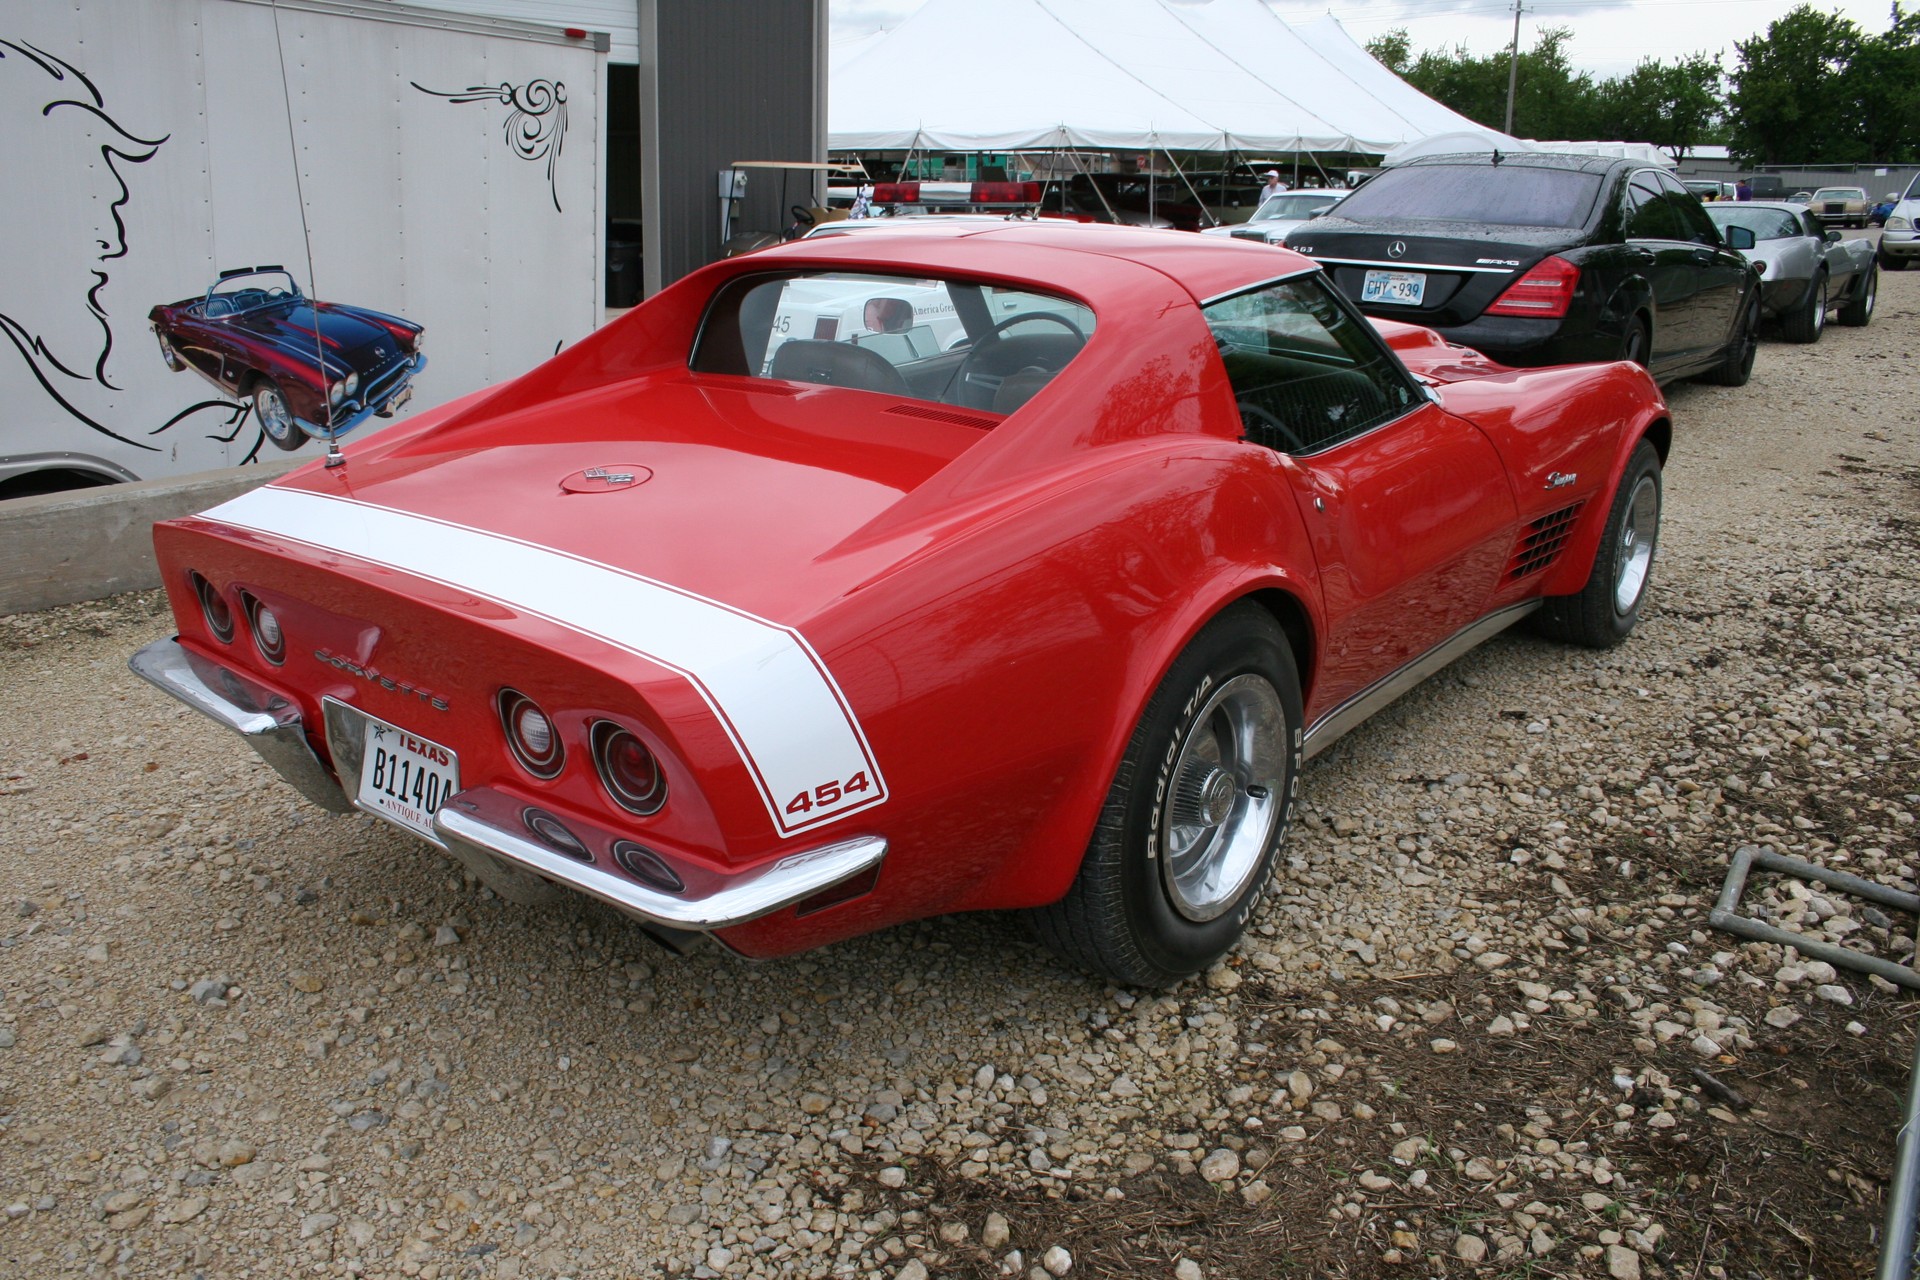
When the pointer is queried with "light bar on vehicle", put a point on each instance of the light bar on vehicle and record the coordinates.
(989, 194)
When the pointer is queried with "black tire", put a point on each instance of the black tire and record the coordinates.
(1737, 366)
(1595, 617)
(1860, 302)
(275, 416)
(1636, 345)
(1808, 319)
(1891, 262)
(1131, 913)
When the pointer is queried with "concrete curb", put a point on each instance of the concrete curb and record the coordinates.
(60, 548)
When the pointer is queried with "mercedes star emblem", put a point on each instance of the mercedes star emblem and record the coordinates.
(1398, 249)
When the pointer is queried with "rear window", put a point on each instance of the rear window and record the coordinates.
(1513, 195)
(958, 342)
(1766, 224)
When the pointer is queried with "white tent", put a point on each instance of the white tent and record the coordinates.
(1213, 75)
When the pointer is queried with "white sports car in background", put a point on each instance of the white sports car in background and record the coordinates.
(1279, 214)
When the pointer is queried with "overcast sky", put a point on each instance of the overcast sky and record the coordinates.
(1609, 36)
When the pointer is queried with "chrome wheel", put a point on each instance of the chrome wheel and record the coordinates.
(1638, 534)
(1818, 320)
(1224, 797)
(275, 418)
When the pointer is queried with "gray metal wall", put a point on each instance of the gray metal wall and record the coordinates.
(1877, 179)
(720, 81)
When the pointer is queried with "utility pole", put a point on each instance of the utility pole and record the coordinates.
(1513, 65)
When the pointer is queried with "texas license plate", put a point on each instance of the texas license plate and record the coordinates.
(1400, 288)
(405, 778)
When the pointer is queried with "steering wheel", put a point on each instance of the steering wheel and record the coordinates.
(1011, 321)
(802, 222)
(966, 375)
(1282, 437)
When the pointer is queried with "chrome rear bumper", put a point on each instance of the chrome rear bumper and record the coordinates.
(269, 723)
(683, 896)
(480, 822)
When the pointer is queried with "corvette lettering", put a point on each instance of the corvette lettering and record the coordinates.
(373, 675)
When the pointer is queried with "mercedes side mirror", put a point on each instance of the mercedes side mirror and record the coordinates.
(1740, 238)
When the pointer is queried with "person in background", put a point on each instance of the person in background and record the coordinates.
(1742, 191)
(1274, 186)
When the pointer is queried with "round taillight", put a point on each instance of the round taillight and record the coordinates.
(530, 734)
(267, 636)
(628, 770)
(213, 607)
(646, 866)
(553, 833)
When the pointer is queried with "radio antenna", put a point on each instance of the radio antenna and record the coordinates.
(334, 457)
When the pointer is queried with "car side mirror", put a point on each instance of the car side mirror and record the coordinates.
(1833, 235)
(1740, 238)
(888, 315)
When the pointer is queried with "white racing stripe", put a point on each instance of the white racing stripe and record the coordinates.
(770, 691)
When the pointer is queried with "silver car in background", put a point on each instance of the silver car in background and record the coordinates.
(1805, 270)
(1900, 238)
(1281, 213)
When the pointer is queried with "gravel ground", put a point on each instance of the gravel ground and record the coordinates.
(1467, 1035)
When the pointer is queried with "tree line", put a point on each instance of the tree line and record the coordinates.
(1814, 89)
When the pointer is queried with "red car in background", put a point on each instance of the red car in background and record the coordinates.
(783, 649)
(310, 368)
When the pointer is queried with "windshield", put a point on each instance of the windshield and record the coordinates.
(958, 342)
(1512, 195)
(232, 295)
(1295, 205)
(1840, 193)
(1766, 224)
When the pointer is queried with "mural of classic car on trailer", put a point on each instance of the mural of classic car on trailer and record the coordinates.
(309, 368)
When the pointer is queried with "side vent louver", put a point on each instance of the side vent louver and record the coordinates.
(1540, 544)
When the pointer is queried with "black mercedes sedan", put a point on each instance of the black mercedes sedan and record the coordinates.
(1543, 258)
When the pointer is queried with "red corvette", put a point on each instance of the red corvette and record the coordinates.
(783, 648)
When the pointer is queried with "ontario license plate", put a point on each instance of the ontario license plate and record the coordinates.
(1399, 288)
(406, 778)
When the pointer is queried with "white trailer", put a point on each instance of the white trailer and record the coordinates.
(448, 167)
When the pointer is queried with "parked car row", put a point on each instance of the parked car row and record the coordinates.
(1551, 259)
(1049, 552)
